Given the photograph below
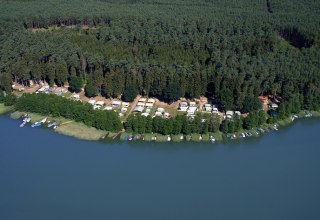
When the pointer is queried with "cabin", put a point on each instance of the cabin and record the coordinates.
(145, 114)
(192, 104)
(237, 113)
(116, 104)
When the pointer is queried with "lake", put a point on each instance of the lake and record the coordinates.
(47, 176)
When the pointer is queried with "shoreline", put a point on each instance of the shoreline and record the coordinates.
(70, 128)
(81, 131)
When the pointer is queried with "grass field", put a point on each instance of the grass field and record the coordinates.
(68, 127)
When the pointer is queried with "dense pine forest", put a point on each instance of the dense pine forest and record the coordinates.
(229, 51)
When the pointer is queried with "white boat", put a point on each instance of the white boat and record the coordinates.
(44, 120)
(23, 124)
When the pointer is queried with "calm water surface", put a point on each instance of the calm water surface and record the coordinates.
(47, 176)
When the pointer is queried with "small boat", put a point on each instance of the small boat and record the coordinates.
(44, 120)
(36, 124)
(23, 124)
(52, 124)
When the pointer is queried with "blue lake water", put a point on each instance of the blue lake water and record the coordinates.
(47, 176)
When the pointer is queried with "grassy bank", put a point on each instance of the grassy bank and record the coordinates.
(81, 131)
(68, 127)
(5, 109)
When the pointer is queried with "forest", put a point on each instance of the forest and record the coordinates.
(229, 51)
